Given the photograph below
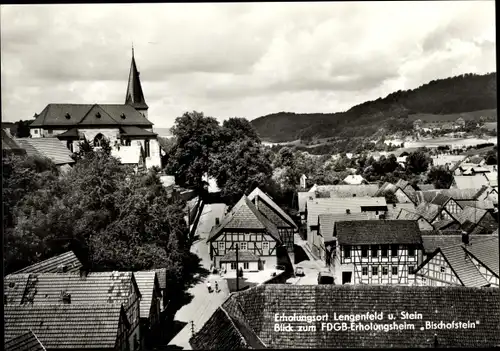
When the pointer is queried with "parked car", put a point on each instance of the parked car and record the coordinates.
(325, 278)
(299, 272)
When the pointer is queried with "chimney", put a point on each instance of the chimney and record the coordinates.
(348, 211)
(62, 268)
(83, 273)
(217, 221)
(353, 195)
(65, 297)
(465, 238)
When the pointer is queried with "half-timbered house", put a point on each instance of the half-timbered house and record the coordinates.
(150, 305)
(477, 220)
(376, 252)
(248, 228)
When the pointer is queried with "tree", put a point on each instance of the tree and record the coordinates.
(239, 168)
(197, 137)
(440, 177)
(491, 157)
(23, 129)
(417, 162)
(234, 129)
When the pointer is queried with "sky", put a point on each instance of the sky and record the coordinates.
(238, 59)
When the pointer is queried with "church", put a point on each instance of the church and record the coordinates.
(125, 126)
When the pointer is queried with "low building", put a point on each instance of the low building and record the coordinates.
(65, 327)
(256, 318)
(50, 148)
(248, 228)
(150, 306)
(376, 252)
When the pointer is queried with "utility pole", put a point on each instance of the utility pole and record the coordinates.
(237, 271)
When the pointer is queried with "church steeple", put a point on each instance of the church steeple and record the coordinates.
(134, 96)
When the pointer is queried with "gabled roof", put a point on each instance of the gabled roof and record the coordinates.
(377, 232)
(432, 242)
(393, 210)
(409, 215)
(134, 131)
(66, 326)
(463, 267)
(57, 115)
(445, 223)
(96, 115)
(425, 187)
(146, 282)
(327, 222)
(402, 184)
(440, 199)
(340, 205)
(362, 190)
(455, 194)
(470, 182)
(486, 252)
(256, 307)
(267, 199)
(24, 342)
(243, 256)
(135, 96)
(68, 259)
(161, 274)
(471, 214)
(51, 148)
(428, 211)
(386, 188)
(97, 287)
(244, 215)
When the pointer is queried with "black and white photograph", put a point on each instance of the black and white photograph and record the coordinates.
(254, 175)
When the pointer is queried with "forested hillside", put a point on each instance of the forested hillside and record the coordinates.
(465, 93)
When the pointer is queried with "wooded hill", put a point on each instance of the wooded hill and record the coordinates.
(464, 93)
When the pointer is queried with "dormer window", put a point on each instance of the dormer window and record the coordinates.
(98, 115)
(122, 116)
(67, 115)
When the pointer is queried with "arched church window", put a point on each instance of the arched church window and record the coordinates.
(98, 140)
(146, 148)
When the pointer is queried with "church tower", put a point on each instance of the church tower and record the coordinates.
(134, 96)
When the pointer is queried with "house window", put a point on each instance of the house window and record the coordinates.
(411, 251)
(98, 140)
(394, 270)
(364, 270)
(147, 148)
(128, 142)
(347, 251)
(35, 131)
(69, 145)
(243, 245)
(222, 245)
(411, 269)
(374, 251)
(394, 250)
(385, 271)
(50, 131)
(364, 251)
(265, 245)
(384, 251)
(375, 270)
(245, 265)
(233, 265)
(442, 269)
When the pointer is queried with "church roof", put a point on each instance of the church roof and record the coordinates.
(136, 131)
(134, 96)
(66, 115)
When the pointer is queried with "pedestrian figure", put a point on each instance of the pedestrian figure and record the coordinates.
(209, 287)
(216, 287)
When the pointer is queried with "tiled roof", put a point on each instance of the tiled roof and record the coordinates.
(445, 223)
(243, 256)
(428, 211)
(50, 265)
(463, 267)
(425, 187)
(470, 214)
(52, 148)
(470, 182)
(340, 205)
(386, 188)
(402, 184)
(14, 287)
(363, 190)
(304, 196)
(102, 287)
(161, 274)
(146, 283)
(486, 251)
(411, 193)
(135, 131)
(55, 115)
(393, 210)
(440, 199)
(408, 215)
(377, 232)
(484, 204)
(327, 222)
(258, 306)
(70, 133)
(432, 242)
(263, 196)
(66, 326)
(24, 342)
(492, 178)
(244, 215)
(455, 194)
(8, 143)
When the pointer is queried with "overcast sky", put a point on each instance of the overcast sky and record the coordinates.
(243, 60)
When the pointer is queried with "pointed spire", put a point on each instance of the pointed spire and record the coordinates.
(135, 96)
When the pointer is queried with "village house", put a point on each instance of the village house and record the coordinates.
(124, 126)
(455, 194)
(150, 305)
(471, 264)
(394, 209)
(68, 326)
(93, 288)
(400, 194)
(241, 323)
(409, 215)
(63, 263)
(376, 252)
(50, 148)
(256, 236)
(374, 207)
(286, 226)
(469, 182)
(477, 220)
(345, 191)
